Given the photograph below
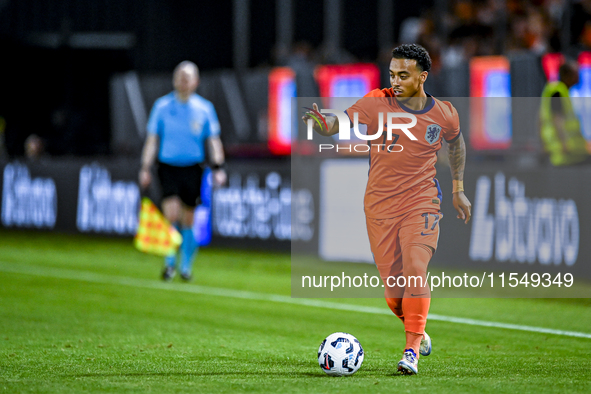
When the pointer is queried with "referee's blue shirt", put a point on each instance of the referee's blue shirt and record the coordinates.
(183, 128)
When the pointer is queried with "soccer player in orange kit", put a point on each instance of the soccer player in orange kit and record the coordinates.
(402, 198)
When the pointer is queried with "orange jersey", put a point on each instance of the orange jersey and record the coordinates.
(403, 179)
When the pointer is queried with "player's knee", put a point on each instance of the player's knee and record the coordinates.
(171, 208)
(172, 218)
(172, 215)
(417, 258)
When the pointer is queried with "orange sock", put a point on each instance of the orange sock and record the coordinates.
(415, 321)
(416, 301)
(395, 305)
(415, 314)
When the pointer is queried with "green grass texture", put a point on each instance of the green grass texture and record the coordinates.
(82, 314)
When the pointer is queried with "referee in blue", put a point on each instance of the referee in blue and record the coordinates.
(181, 125)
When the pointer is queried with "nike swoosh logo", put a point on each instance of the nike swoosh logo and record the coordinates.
(426, 234)
(417, 295)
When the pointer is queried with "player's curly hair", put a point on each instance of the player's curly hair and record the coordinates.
(413, 52)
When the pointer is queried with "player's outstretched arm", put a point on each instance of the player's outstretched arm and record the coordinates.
(332, 122)
(457, 162)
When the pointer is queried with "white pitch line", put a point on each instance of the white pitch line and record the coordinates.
(92, 277)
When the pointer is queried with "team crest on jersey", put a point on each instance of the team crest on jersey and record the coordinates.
(432, 134)
(196, 127)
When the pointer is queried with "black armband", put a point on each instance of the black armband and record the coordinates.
(218, 166)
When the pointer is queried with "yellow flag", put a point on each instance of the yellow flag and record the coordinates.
(155, 234)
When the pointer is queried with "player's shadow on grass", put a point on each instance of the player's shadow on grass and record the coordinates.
(366, 373)
(130, 374)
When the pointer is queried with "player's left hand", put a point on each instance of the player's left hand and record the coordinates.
(463, 206)
(219, 177)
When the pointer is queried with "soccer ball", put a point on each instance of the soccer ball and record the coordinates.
(340, 354)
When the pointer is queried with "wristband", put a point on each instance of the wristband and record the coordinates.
(458, 186)
(217, 166)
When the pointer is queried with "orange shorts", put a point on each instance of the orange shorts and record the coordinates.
(389, 237)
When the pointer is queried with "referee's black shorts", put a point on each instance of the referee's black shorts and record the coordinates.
(184, 182)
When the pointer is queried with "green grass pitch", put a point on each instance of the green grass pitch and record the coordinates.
(82, 314)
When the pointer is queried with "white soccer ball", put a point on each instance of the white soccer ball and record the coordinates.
(340, 354)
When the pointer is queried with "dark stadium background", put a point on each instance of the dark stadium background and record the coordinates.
(40, 67)
(67, 68)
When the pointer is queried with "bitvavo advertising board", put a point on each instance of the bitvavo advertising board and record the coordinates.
(103, 196)
(523, 220)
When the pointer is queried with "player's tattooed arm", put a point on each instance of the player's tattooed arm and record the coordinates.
(457, 158)
(457, 163)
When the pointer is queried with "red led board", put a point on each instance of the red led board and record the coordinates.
(490, 119)
(282, 88)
